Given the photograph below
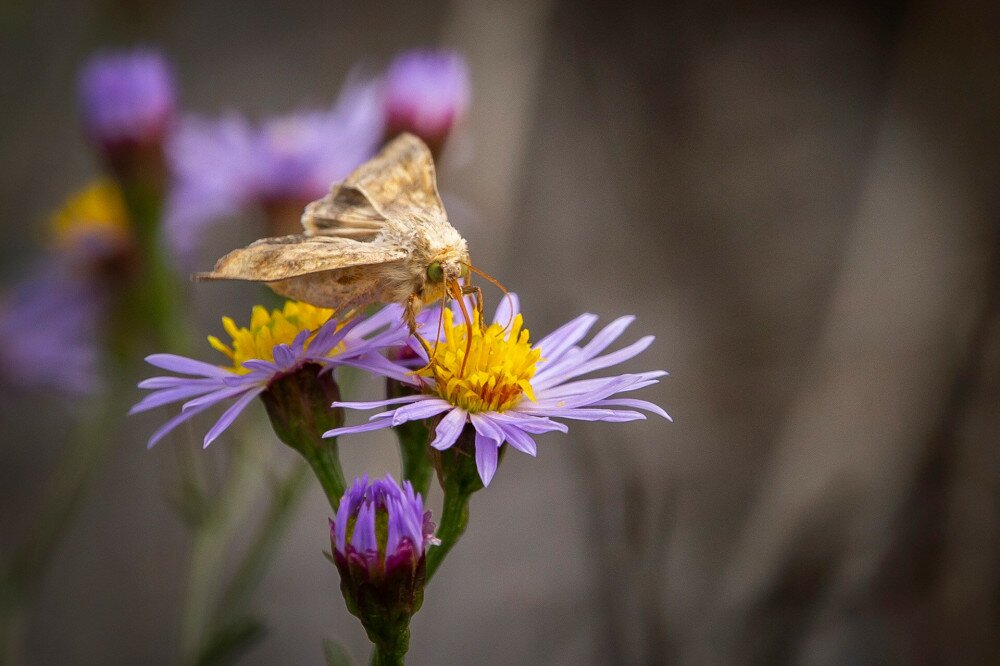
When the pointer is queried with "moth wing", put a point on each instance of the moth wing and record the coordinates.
(284, 257)
(398, 184)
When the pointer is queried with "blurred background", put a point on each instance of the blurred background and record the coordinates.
(800, 200)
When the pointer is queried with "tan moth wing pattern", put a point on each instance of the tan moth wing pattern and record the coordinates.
(399, 184)
(371, 239)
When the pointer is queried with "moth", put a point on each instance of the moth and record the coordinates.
(380, 236)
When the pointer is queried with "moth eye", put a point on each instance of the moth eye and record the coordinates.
(463, 272)
(434, 272)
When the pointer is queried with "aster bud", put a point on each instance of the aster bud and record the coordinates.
(127, 104)
(379, 539)
(426, 93)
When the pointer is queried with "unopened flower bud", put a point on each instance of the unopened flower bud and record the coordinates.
(379, 538)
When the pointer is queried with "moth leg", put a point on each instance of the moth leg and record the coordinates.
(410, 317)
(473, 289)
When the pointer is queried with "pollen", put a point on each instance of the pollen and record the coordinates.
(266, 330)
(98, 211)
(497, 371)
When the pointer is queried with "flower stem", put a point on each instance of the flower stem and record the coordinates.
(391, 655)
(324, 460)
(459, 477)
(413, 439)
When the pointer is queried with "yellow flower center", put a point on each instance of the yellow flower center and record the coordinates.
(98, 211)
(496, 372)
(266, 330)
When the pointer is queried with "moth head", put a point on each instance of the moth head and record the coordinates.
(446, 271)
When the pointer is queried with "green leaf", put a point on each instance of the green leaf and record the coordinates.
(336, 654)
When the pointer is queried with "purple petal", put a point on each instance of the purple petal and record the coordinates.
(449, 428)
(486, 457)
(186, 366)
(487, 428)
(379, 403)
(283, 356)
(420, 410)
(364, 427)
(614, 416)
(380, 365)
(519, 439)
(509, 307)
(364, 539)
(555, 344)
(535, 425)
(636, 404)
(171, 382)
(613, 358)
(165, 429)
(230, 415)
(214, 397)
(167, 396)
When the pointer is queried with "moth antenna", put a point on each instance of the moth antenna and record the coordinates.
(456, 293)
(498, 285)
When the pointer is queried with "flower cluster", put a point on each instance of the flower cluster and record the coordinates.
(457, 395)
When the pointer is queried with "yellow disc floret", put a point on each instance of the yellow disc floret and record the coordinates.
(497, 371)
(266, 330)
(98, 211)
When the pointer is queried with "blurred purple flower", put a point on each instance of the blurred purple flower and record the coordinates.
(355, 343)
(426, 92)
(510, 390)
(48, 324)
(126, 97)
(222, 166)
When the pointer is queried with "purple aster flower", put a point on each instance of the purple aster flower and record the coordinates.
(509, 390)
(379, 538)
(277, 346)
(48, 324)
(427, 93)
(127, 97)
(222, 166)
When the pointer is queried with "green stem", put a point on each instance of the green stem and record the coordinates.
(413, 440)
(454, 519)
(413, 454)
(324, 460)
(211, 535)
(391, 655)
